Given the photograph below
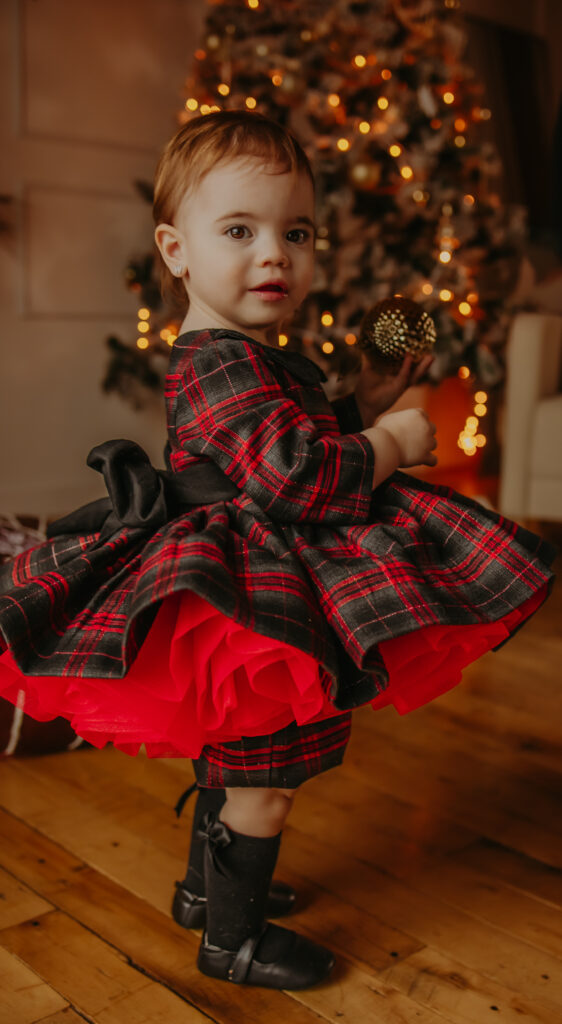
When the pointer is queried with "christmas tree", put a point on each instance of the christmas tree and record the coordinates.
(391, 119)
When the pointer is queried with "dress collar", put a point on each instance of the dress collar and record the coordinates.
(301, 367)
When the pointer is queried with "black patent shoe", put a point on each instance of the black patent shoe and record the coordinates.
(304, 963)
(190, 911)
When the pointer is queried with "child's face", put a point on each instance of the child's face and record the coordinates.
(246, 237)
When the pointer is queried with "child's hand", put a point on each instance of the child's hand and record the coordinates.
(376, 392)
(414, 434)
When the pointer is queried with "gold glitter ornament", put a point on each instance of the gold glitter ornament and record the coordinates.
(394, 328)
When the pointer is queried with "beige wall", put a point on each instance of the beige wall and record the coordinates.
(90, 94)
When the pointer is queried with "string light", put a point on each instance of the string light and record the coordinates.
(253, 4)
(406, 172)
(191, 103)
(449, 97)
(334, 100)
(427, 288)
(171, 338)
(481, 397)
(395, 149)
(418, 196)
(464, 372)
(472, 297)
(165, 333)
(460, 141)
(251, 102)
(382, 103)
(359, 60)
(468, 199)
(223, 88)
(465, 308)
(445, 256)
(480, 410)
(327, 347)
(445, 295)
(143, 327)
(386, 73)
(277, 78)
(200, 54)
(460, 124)
(143, 313)
(343, 145)
(364, 127)
(283, 340)
(327, 319)
(350, 339)
(142, 342)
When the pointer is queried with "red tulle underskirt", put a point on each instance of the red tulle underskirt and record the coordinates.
(222, 681)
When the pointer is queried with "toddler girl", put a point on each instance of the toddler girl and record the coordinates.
(235, 607)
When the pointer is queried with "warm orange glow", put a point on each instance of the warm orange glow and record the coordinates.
(359, 60)
(480, 410)
(460, 124)
(283, 340)
(364, 127)
(327, 319)
(350, 339)
(334, 100)
(277, 79)
(143, 327)
(386, 73)
(406, 172)
(464, 372)
(445, 295)
(465, 308)
(251, 102)
(142, 342)
(327, 347)
(143, 313)
(395, 149)
(382, 103)
(449, 97)
(445, 256)
(191, 104)
(200, 54)
(427, 288)
(481, 396)
(343, 145)
(460, 141)
(223, 88)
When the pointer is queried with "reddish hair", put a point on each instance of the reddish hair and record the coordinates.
(199, 145)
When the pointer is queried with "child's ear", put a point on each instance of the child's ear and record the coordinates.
(169, 242)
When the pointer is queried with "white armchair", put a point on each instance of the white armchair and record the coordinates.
(531, 470)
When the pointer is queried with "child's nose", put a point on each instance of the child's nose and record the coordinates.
(273, 252)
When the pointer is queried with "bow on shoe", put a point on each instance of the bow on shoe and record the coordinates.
(217, 836)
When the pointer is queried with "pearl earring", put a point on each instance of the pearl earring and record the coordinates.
(179, 270)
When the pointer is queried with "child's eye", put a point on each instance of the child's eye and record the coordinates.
(298, 235)
(238, 231)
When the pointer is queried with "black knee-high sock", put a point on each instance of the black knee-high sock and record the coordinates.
(207, 800)
(238, 872)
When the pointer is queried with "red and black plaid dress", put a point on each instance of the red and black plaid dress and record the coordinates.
(240, 626)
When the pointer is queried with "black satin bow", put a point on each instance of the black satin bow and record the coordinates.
(217, 836)
(140, 496)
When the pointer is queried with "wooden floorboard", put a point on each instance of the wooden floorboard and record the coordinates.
(429, 862)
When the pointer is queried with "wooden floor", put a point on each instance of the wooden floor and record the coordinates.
(428, 863)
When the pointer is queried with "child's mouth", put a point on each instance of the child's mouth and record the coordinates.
(271, 291)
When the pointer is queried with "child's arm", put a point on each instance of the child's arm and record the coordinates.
(376, 391)
(232, 409)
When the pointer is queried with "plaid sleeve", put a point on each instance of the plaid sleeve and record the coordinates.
(232, 409)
